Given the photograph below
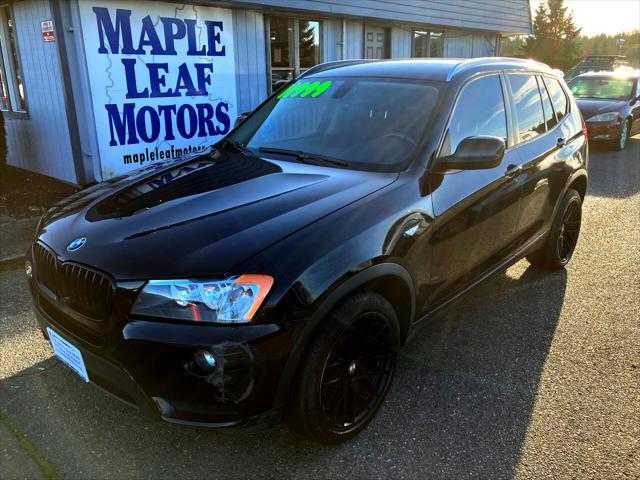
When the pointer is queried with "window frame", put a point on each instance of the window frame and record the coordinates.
(564, 92)
(542, 87)
(429, 38)
(507, 110)
(513, 105)
(295, 21)
(519, 141)
(7, 60)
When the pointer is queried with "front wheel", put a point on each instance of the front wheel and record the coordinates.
(348, 370)
(563, 236)
(621, 142)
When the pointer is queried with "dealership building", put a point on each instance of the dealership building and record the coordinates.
(95, 88)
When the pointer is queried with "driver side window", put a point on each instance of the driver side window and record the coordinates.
(478, 111)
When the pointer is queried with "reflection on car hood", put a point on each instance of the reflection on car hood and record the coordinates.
(198, 217)
(591, 106)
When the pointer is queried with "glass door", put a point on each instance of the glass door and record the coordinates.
(281, 48)
(294, 46)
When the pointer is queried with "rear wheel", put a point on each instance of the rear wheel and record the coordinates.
(563, 236)
(348, 370)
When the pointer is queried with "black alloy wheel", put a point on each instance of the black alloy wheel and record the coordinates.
(348, 370)
(563, 236)
(569, 231)
(357, 372)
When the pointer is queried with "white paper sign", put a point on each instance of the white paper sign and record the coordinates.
(162, 79)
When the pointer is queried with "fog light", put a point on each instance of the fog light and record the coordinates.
(28, 269)
(205, 361)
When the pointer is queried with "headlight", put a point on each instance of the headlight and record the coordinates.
(604, 117)
(232, 300)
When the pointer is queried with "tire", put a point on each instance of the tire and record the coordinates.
(621, 142)
(563, 236)
(347, 370)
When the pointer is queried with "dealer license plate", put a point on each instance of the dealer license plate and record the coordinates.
(68, 354)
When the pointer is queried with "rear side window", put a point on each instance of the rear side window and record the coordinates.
(528, 106)
(549, 116)
(479, 111)
(558, 97)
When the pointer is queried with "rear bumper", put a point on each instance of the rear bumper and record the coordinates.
(149, 365)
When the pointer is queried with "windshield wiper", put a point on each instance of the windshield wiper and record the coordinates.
(230, 142)
(311, 158)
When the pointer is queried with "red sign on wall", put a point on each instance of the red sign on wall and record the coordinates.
(48, 35)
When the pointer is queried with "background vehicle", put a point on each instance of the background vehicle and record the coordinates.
(610, 104)
(278, 275)
(599, 63)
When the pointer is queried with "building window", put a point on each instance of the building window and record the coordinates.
(294, 46)
(11, 81)
(426, 43)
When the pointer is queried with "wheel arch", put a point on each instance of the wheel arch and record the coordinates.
(578, 183)
(390, 280)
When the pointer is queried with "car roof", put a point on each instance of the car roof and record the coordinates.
(438, 69)
(605, 73)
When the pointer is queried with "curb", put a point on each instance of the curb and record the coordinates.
(15, 238)
(45, 467)
(11, 262)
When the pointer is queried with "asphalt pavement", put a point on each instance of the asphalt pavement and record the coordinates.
(533, 375)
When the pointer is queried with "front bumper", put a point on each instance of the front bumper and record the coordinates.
(604, 131)
(149, 365)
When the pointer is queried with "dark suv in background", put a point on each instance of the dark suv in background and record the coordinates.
(278, 274)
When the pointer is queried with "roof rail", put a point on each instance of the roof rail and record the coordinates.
(321, 67)
(504, 61)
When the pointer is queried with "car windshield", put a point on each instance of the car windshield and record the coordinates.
(605, 88)
(362, 123)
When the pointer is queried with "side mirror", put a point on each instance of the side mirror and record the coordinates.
(475, 153)
(241, 118)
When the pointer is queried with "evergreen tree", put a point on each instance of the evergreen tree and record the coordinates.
(555, 38)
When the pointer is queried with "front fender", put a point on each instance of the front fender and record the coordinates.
(341, 288)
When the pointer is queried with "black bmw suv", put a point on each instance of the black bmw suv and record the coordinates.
(278, 274)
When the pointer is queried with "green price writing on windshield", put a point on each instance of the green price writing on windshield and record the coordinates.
(306, 89)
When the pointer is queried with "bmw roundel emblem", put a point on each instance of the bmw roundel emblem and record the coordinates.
(76, 244)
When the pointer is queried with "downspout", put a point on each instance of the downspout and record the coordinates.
(69, 100)
(344, 39)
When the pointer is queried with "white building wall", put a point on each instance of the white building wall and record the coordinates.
(39, 141)
(401, 42)
(468, 44)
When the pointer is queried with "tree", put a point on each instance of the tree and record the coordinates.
(308, 47)
(555, 36)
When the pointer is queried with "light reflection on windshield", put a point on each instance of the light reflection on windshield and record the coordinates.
(602, 88)
(370, 123)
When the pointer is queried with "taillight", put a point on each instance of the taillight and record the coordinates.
(584, 129)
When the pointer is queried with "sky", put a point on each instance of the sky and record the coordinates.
(603, 16)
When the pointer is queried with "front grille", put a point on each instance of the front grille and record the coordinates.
(83, 289)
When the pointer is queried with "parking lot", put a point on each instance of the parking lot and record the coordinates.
(533, 375)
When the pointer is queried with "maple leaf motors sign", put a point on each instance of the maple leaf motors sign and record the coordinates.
(162, 79)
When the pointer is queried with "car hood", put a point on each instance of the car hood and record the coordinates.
(590, 107)
(200, 216)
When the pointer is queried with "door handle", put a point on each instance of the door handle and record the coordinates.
(561, 142)
(513, 170)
